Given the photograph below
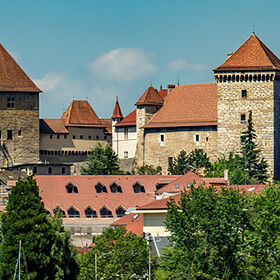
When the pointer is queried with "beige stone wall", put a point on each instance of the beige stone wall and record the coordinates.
(157, 152)
(22, 148)
(231, 104)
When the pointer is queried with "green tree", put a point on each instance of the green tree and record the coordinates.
(234, 165)
(180, 164)
(26, 220)
(255, 167)
(208, 229)
(101, 161)
(148, 170)
(120, 255)
(198, 160)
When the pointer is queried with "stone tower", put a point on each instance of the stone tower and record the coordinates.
(116, 118)
(249, 80)
(19, 114)
(146, 106)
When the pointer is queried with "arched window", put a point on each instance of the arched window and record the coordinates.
(100, 188)
(90, 213)
(58, 209)
(138, 188)
(73, 213)
(70, 188)
(120, 212)
(105, 213)
(115, 188)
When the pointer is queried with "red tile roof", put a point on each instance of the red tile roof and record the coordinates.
(159, 204)
(80, 113)
(129, 120)
(53, 191)
(162, 93)
(52, 126)
(12, 77)
(150, 97)
(108, 124)
(188, 105)
(252, 55)
(132, 222)
(117, 113)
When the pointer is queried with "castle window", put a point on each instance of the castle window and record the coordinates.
(73, 213)
(58, 209)
(170, 161)
(197, 138)
(115, 188)
(162, 139)
(244, 93)
(242, 139)
(100, 188)
(125, 133)
(125, 154)
(90, 213)
(65, 136)
(9, 134)
(81, 137)
(120, 212)
(89, 137)
(74, 137)
(243, 118)
(35, 169)
(97, 137)
(51, 136)
(63, 170)
(138, 188)
(58, 136)
(105, 213)
(207, 139)
(50, 170)
(19, 133)
(10, 102)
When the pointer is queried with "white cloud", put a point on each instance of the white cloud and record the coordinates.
(124, 64)
(182, 65)
(51, 81)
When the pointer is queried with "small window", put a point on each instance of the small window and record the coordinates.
(120, 212)
(89, 137)
(170, 161)
(105, 136)
(10, 102)
(138, 188)
(70, 188)
(19, 133)
(244, 93)
(125, 133)
(242, 139)
(65, 136)
(243, 118)
(63, 170)
(105, 213)
(51, 136)
(100, 188)
(9, 134)
(0, 134)
(35, 170)
(58, 136)
(125, 154)
(74, 137)
(73, 213)
(97, 137)
(81, 137)
(90, 213)
(161, 138)
(207, 139)
(115, 188)
(197, 138)
(50, 171)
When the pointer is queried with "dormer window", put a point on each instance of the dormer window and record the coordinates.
(115, 188)
(70, 188)
(120, 212)
(90, 213)
(138, 188)
(105, 213)
(58, 209)
(73, 213)
(100, 188)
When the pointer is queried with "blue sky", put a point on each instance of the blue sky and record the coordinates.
(102, 49)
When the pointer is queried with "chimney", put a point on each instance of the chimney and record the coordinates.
(170, 88)
(226, 175)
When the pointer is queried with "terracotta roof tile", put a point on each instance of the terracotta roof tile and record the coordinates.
(159, 204)
(188, 105)
(252, 55)
(53, 191)
(52, 126)
(150, 97)
(12, 77)
(108, 124)
(117, 113)
(80, 113)
(129, 120)
(163, 93)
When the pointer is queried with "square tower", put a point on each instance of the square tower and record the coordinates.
(19, 114)
(249, 81)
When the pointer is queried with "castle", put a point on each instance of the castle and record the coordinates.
(208, 116)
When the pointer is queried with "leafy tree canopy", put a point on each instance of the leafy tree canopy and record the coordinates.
(148, 170)
(101, 161)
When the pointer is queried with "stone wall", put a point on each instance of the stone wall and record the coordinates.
(22, 122)
(158, 152)
(231, 105)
